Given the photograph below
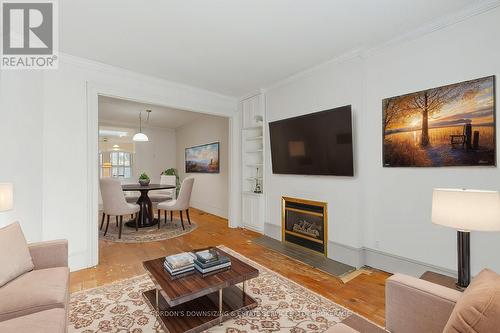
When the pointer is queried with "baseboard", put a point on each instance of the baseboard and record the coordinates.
(272, 230)
(362, 256)
(78, 260)
(209, 208)
(388, 262)
(397, 264)
(346, 254)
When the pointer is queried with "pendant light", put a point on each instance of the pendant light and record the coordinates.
(141, 137)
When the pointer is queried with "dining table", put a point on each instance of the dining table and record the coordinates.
(146, 215)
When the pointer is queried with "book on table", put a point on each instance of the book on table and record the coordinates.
(179, 263)
(210, 260)
(207, 255)
(180, 260)
(212, 268)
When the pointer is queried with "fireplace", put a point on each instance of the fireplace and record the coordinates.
(304, 223)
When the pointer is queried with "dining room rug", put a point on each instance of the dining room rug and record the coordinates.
(167, 230)
(283, 305)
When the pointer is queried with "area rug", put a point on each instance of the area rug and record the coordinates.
(283, 305)
(151, 234)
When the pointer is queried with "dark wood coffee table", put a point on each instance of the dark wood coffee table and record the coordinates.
(195, 303)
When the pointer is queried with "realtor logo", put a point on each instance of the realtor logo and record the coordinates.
(29, 35)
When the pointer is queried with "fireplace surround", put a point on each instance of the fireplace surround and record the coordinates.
(305, 223)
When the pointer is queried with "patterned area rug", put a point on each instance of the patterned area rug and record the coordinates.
(283, 306)
(151, 234)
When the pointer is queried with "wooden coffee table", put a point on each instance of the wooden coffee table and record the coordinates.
(195, 303)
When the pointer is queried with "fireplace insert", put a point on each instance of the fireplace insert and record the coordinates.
(304, 223)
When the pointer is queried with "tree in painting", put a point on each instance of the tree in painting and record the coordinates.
(445, 126)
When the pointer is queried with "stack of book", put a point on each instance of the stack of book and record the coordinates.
(180, 264)
(210, 261)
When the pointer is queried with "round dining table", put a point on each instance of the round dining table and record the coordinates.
(146, 215)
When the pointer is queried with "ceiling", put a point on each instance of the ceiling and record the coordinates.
(235, 46)
(124, 113)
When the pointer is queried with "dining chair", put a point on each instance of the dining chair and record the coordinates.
(163, 195)
(114, 204)
(180, 204)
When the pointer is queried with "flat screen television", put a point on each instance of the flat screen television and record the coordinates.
(319, 143)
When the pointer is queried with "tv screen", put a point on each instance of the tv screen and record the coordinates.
(314, 144)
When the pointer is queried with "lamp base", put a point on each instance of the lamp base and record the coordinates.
(463, 247)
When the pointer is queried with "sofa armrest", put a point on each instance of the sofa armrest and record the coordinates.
(414, 305)
(49, 254)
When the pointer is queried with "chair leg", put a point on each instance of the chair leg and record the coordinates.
(121, 224)
(171, 216)
(159, 219)
(137, 222)
(132, 216)
(187, 213)
(107, 225)
(102, 221)
(165, 216)
(182, 221)
(116, 221)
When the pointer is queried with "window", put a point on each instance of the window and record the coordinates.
(120, 162)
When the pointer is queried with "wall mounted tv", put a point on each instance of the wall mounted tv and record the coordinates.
(319, 143)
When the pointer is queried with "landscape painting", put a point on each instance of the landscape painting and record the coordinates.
(452, 125)
(203, 159)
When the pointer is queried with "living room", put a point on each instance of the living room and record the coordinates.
(384, 214)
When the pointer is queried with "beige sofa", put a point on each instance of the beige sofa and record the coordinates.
(413, 306)
(37, 301)
(417, 306)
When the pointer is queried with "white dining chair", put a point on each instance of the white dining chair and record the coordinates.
(167, 194)
(180, 204)
(114, 204)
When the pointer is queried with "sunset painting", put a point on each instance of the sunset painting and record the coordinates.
(452, 125)
(203, 159)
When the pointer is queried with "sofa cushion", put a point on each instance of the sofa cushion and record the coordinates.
(48, 321)
(34, 291)
(15, 257)
(478, 310)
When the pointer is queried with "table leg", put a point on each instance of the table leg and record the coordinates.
(157, 301)
(220, 306)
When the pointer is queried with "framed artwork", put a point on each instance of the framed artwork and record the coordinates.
(203, 158)
(452, 125)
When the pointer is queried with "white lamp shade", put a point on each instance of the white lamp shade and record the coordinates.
(6, 196)
(141, 137)
(466, 210)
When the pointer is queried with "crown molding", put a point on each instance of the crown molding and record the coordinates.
(123, 72)
(353, 54)
(477, 8)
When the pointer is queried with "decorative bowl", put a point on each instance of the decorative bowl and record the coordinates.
(144, 182)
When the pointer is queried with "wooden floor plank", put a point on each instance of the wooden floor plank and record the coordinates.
(363, 294)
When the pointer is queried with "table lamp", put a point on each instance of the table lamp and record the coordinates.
(6, 197)
(466, 210)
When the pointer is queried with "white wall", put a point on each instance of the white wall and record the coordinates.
(210, 191)
(155, 156)
(388, 209)
(45, 142)
(21, 114)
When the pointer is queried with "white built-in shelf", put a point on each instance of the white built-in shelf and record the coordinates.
(255, 138)
(254, 151)
(252, 193)
(253, 178)
(255, 165)
(251, 128)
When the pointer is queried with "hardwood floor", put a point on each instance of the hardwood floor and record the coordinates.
(364, 294)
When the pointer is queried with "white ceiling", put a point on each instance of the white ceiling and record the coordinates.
(235, 46)
(124, 113)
